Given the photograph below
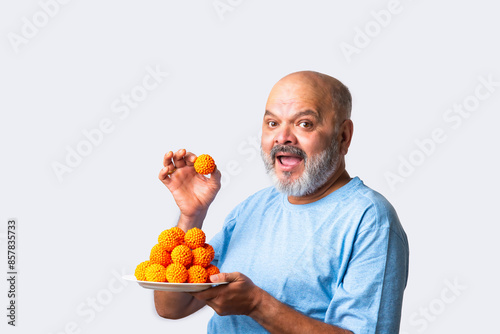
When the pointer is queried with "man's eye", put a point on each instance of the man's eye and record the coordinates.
(305, 125)
(272, 124)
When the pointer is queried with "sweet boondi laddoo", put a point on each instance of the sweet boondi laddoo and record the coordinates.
(140, 270)
(197, 274)
(171, 238)
(156, 273)
(179, 257)
(204, 164)
(202, 257)
(176, 273)
(210, 250)
(182, 255)
(160, 255)
(178, 232)
(194, 238)
(211, 270)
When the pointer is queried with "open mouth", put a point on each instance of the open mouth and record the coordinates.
(288, 160)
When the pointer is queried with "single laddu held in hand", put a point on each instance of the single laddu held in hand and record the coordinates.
(204, 164)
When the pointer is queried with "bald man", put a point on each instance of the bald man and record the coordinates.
(319, 252)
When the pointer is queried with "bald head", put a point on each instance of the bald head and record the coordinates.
(323, 87)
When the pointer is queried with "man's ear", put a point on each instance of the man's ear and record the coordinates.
(346, 131)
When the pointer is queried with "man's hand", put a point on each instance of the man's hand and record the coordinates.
(192, 192)
(239, 297)
(242, 297)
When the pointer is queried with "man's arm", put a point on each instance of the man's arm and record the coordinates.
(242, 297)
(176, 305)
(193, 193)
(277, 317)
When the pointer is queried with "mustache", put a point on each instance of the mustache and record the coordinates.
(287, 149)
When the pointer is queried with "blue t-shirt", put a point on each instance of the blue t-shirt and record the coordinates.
(342, 260)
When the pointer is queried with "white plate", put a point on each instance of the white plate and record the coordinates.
(177, 287)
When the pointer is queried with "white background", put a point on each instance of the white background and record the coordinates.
(76, 235)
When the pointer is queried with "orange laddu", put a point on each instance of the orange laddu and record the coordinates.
(182, 255)
(202, 257)
(140, 270)
(160, 255)
(178, 232)
(204, 164)
(156, 273)
(171, 238)
(211, 270)
(176, 273)
(210, 249)
(197, 274)
(194, 238)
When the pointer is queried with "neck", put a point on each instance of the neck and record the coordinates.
(339, 179)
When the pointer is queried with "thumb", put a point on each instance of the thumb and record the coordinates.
(216, 176)
(224, 277)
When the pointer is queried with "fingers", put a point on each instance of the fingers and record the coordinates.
(190, 158)
(182, 158)
(179, 158)
(240, 296)
(167, 158)
(208, 293)
(172, 161)
(217, 278)
(216, 175)
(168, 168)
(225, 277)
(165, 173)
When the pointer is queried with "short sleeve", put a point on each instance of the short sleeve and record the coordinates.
(370, 295)
(221, 240)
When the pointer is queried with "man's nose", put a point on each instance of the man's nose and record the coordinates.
(285, 136)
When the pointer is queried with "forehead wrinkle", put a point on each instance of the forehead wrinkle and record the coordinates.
(303, 95)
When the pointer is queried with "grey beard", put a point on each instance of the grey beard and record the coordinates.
(318, 169)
